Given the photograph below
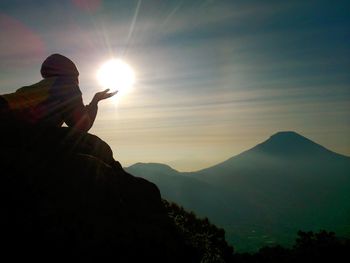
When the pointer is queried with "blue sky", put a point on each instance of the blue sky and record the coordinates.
(213, 78)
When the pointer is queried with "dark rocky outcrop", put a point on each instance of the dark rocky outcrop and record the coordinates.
(63, 194)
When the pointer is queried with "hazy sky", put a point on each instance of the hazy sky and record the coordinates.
(213, 78)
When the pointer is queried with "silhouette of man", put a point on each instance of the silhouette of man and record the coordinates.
(53, 101)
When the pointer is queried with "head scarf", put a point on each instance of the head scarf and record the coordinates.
(58, 65)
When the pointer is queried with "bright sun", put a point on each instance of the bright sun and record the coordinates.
(115, 74)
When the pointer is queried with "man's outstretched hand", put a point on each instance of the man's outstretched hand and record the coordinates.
(103, 95)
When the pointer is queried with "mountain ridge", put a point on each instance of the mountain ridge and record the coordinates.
(280, 135)
(284, 140)
(151, 166)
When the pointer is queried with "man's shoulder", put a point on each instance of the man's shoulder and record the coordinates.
(44, 83)
(65, 86)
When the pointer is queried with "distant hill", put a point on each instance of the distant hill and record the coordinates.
(265, 194)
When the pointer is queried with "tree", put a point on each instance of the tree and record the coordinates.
(207, 239)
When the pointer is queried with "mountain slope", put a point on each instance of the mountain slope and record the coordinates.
(286, 170)
(294, 182)
(282, 185)
(193, 194)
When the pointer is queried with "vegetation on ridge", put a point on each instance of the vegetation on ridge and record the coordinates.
(210, 245)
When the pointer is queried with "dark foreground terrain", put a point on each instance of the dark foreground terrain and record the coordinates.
(63, 196)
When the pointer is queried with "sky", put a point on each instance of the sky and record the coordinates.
(213, 77)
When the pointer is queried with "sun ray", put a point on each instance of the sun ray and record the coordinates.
(132, 26)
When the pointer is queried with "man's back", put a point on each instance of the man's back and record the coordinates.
(46, 102)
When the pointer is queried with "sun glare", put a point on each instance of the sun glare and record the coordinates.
(115, 74)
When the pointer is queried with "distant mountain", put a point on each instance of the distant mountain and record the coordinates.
(152, 169)
(190, 192)
(286, 183)
(282, 147)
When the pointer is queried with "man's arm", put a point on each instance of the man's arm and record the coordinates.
(79, 116)
(82, 117)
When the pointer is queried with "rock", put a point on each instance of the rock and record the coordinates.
(63, 194)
